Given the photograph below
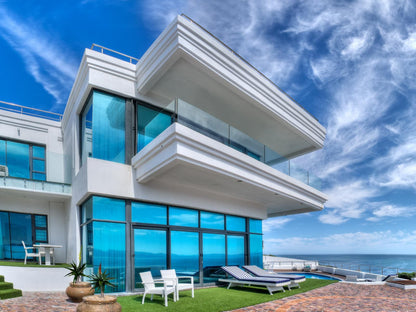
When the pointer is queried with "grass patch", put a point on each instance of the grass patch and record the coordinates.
(31, 264)
(215, 299)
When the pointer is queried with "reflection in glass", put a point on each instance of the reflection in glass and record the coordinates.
(150, 123)
(211, 220)
(255, 226)
(2, 152)
(109, 250)
(213, 246)
(183, 217)
(20, 230)
(236, 223)
(5, 251)
(148, 213)
(86, 211)
(18, 160)
(256, 250)
(149, 253)
(105, 208)
(38, 152)
(235, 250)
(185, 253)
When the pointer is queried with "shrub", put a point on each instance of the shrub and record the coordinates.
(407, 275)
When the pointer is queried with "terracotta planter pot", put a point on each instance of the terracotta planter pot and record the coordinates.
(99, 304)
(77, 291)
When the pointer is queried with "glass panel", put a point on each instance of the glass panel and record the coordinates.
(183, 217)
(109, 250)
(150, 123)
(2, 152)
(86, 149)
(256, 250)
(235, 250)
(149, 253)
(255, 226)
(5, 252)
(18, 160)
(39, 176)
(211, 220)
(40, 221)
(108, 127)
(109, 209)
(213, 256)
(38, 151)
(185, 253)
(245, 144)
(236, 223)
(20, 230)
(86, 211)
(148, 213)
(38, 165)
(41, 236)
(87, 247)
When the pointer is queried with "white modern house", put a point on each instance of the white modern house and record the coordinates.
(170, 161)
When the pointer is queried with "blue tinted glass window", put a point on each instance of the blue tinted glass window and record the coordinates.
(213, 248)
(211, 220)
(2, 152)
(235, 250)
(39, 176)
(38, 165)
(256, 250)
(183, 217)
(86, 148)
(255, 226)
(109, 250)
(148, 213)
(150, 123)
(18, 159)
(86, 211)
(109, 209)
(38, 151)
(41, 236)
(5, 248)
(40, 221)
(149, 253)
(185, 253)
(20, 230)
(236, 223)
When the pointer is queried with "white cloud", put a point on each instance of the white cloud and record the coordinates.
(49, 64)
(274, 223)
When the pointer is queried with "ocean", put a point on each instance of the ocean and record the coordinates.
(385, 264)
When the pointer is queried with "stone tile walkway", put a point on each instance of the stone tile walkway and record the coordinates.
(339, 297)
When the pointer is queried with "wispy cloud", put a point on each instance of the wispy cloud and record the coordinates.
(274, 224)
(48, 63)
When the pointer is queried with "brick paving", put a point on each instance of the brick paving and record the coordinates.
(339, 297)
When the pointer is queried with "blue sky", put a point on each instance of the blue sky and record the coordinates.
(352, 64)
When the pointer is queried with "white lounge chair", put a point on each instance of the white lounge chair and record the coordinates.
(171, 275)
(259, 272)
(241, 277)
(150, 287)
(31, 254)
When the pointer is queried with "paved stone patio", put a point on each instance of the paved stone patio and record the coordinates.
(341, 297)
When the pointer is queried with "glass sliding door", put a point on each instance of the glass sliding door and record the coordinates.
(149, 253)
(235, 250)
(20, 230)
(213, 250)
(185, 253)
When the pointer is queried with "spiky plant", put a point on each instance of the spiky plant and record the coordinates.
(100, 280)
(76, 270)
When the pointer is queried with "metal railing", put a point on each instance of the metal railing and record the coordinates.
(368, 268)
(110, 52)
(30, 111)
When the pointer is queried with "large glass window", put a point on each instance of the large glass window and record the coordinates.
(103, 128)
(256, 250)
(150, 123)
(103, 208)
(149, 253)
(213, 255)
(148, 213)
(5, 247)
(23, 160)
(235, 250)
(211, 220)
(236, 223)
(185, 253)
(255, 226)
(183, 217)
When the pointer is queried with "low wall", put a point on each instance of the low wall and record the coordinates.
(36, 279)
(345, 272)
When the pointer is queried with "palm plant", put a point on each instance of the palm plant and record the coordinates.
(100, 280)
(76, 270)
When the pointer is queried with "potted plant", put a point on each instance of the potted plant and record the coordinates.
(78, 289)
(100, 303)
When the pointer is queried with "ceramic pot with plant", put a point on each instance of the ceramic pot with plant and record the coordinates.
(78, 289)
(100, 303)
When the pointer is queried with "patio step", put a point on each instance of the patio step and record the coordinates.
(7, 291)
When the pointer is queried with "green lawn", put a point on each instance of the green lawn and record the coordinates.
(214, 299)
(31, 264)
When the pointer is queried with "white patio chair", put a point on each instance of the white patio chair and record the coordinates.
(171, 274)
(51, 252)
(31, 254)
(150, 287)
